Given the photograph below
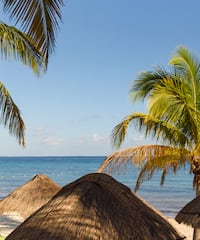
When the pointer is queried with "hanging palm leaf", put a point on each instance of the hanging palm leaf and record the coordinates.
(10, 115)
(18, 46)
(39, 19)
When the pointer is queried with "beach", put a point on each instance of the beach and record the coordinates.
(8, 223)
(187, 231)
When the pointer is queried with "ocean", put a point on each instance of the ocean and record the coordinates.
(169, 199)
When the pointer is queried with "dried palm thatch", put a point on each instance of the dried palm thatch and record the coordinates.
(139, 155)
(190, 213)
(29, 197)
(95, 207)
(148, 158)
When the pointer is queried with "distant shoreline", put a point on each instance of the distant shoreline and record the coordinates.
(56, 156)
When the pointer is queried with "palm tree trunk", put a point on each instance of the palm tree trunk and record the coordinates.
(196, 234)
(196, 171)
(198, 187)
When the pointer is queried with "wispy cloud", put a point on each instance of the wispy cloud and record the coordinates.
(38, 132)
(138, 138)
(97, 137)
(43, 136)
(91, 118)
(53, 141)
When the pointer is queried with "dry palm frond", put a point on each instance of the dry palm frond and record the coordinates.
(140, 154)
(149, 158)
(166, 164)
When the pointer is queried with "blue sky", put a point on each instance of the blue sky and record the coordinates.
(101, 47)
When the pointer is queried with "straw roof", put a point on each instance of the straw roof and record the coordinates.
(190, 213)
(29, 197)
(95, 207)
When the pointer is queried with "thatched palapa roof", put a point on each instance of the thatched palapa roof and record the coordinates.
(29, 197)
(95, 207)
(190, 213)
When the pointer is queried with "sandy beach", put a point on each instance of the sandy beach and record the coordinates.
(187, 231)
(9, 222)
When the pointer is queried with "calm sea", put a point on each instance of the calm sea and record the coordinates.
(177, 190)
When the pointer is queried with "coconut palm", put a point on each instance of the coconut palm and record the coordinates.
(32, 47)
(172, 118)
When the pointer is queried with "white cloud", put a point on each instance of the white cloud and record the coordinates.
(53, 141)
(97, 138)
(38, 132)
(138, 138)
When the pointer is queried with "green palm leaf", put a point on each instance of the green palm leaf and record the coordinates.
(153, 126)
(188, 66)
(171, 102)
(17, 45)
(10, 115)
(39, 19)
(145, 83)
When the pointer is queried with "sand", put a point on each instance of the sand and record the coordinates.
(9, 222)
(182, 228)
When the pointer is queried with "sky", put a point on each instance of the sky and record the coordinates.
(101, 47)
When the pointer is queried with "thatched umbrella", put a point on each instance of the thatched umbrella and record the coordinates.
(190, 215)
(29, 197)
(95, 207)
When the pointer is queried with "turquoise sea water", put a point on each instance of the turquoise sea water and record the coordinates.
(177, 190)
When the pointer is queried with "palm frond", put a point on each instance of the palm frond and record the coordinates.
(139, 155)
(171, 92)
(149, 158)
(172, 103)
(145, 83)
(167, 163)
(153, 127)
(188, 66)
(119, 132)
(17, 45)
(10, 116)
(185, 61)
(39, 19)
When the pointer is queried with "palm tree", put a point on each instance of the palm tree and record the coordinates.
(173, 118)
(39, 20)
